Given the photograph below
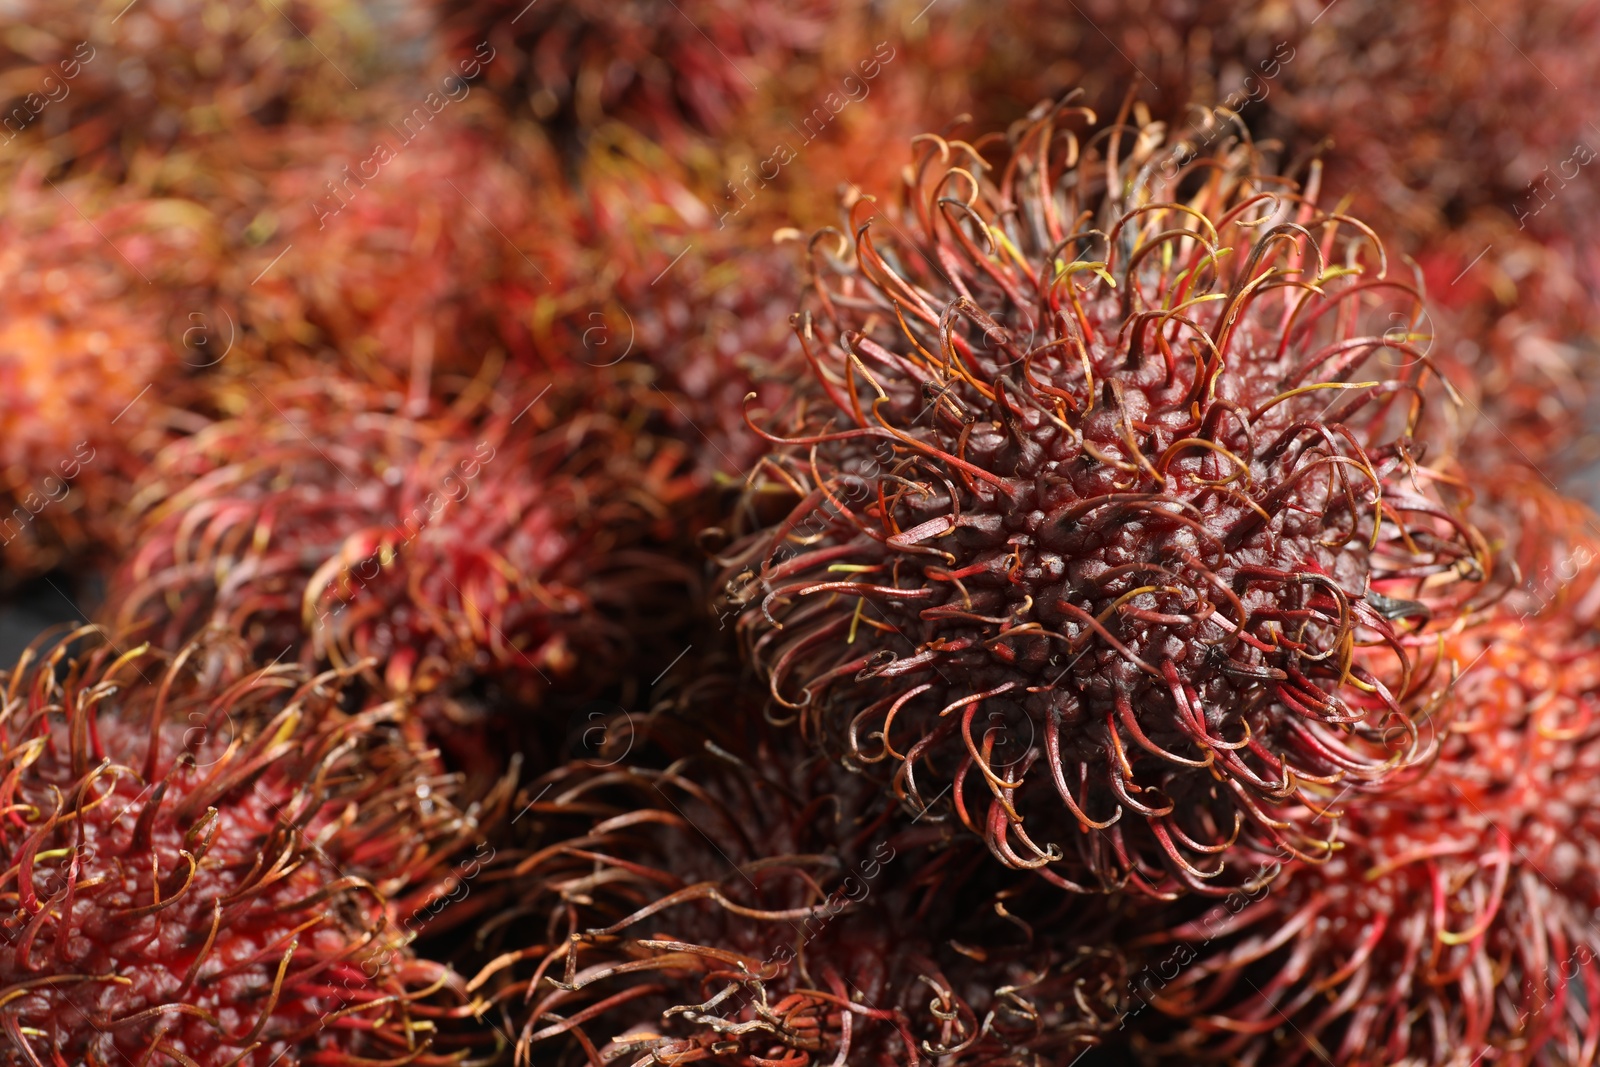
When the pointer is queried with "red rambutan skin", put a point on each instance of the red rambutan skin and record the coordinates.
(1454, 130)
(658, 66)
(672, 303)
(417, 249)
(772, 910)
(210, 862)
(1376, 964)
(1133, 475)
(88, 381)
(505, 537)
(88, 86)
(1455, 923)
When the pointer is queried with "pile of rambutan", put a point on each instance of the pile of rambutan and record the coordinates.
(791, 534)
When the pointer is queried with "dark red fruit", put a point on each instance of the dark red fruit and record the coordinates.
(1456, 922)
(1111, 515)
(729, 912)
(211, 863)
(502, 538)
(658, 65)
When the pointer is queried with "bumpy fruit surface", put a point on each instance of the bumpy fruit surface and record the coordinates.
(498, 537)
(770, 909)
(1112, 521)
(1455, 923)
(211, 863)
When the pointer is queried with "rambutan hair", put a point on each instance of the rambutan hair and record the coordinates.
(1117, 451)
(773, 910)
(1451, 137)
(414, 251)
(679, 305)
(212, 863)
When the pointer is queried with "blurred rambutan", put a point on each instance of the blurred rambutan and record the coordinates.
(1454, 923)
(210, 862)
(514, 538)
(410, 248)
(100, 82)
(660, 66)
(1132, 471)
(681, 310)
(88, 378)
(772, 910)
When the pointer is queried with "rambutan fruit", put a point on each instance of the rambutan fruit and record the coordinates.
(88, 379)
(770, 909)
(207, 862)
(401, 250)
(513, 539)
(1448, 134)
(1455, 922)
(660, 67)
(86, 80)
(1453, 135)
(1105, 508)
(679, 309)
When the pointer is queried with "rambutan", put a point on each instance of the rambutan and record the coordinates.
(1454, 924)
(680, 309)
(772, 910)
(89, 82)
(1453, 135)
(1448, 132)
(507, 539)
(659, 66)
(88, 378)
(211, 863)
(1105, 508)
(402, 250)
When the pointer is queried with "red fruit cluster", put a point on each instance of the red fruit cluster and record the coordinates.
(1110, 503)
(1102, 529)
(210, 862)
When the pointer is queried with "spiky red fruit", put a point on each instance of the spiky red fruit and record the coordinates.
(82, 82)
(660, 66)
(670, 301)
(1455, 133)
(86, 371)
(413, 247)
(1455, 923)
(502, 538)
(771, 911)
(1109, 499)
(211, 863)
